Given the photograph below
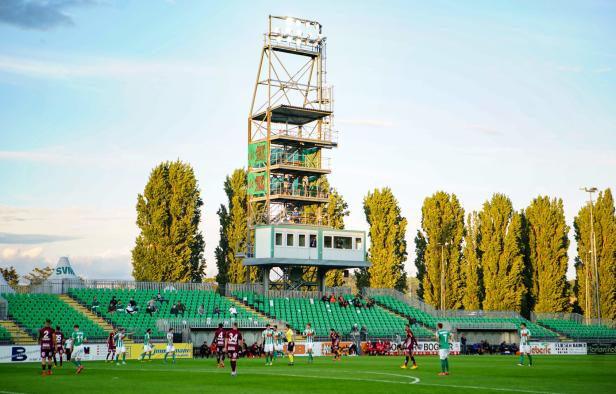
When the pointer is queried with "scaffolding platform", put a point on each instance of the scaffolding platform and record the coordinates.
(289, 114)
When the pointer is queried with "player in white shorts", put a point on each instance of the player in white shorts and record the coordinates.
(525, 345)
(278, 335)
(147, 345)
(120, 348)
(170, 347)
(268, 344)
(309, 334)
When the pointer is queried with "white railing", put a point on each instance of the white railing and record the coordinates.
(412, 301)
(62, 286)
(231, 288)
(182, 324)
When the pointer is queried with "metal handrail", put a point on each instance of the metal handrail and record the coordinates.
(330, 136)
(310, 192)
(300, 160)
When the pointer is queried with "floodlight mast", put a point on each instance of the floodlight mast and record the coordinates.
(290, 125)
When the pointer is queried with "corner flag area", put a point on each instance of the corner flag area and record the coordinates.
(477, 374)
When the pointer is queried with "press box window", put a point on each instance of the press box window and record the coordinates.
(301, 240)
(278, 239)
(289, 239)
(343, 242)
(313, 240)
(358, 244)
(327, 241)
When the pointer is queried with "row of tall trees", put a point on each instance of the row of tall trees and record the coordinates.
(503, 259)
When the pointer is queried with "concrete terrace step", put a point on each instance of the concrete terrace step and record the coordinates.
(18, 335)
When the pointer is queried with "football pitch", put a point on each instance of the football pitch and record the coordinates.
(477, 374)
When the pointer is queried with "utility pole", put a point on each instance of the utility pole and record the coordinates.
(593, 251)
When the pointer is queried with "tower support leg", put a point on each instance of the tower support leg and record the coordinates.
(265, 272)
(321, 278)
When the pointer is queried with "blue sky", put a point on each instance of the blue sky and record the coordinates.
(470, 97)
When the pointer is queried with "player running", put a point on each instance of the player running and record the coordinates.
(111, 345)
(409, 344)
(170, 347)
(278, 335)
(309, 334)
(335, 338)
(525, 345)
(78, 339)
(268, 344)
(58, 337)
(219, 340)
(147, 345)
(290, 336)
(233, 345)
(120, 347)
(47, 341)
(443, 336)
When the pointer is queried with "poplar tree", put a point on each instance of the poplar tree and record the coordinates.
(420, 262)
(471, 264)
(502, 258)
(442, 222)
(233, 232)
(547, 254)
(387, 239)
(169, 246)
(605, 236)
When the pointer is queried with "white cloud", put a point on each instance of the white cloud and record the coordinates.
(367, 122)
(113, 68)
(484, 129)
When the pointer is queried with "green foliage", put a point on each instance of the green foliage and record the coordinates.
(471, 265)
(420, 261)
(502, 259)
(233, 232)
(170, 245)
(38, 275)
(387, 240)
(605, 236)
(10, 275)
(362, 278)
(547, 252)
(442, 223)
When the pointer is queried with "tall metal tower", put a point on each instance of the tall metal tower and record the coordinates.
(290, 127)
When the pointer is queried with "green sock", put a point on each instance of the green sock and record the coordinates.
(521, 359)
(76, 363)
(530, 360)
(173, 356)
(166, 354)
(446, 365)
(150, 356)
(142, 356)
(123, 357)
(442, 365)
(117, 358)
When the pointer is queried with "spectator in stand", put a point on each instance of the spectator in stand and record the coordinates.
(113, 305)
(332, 299)
(233, 312)
(201, 310)
(217, 311)
(324, 298)
(370, 303)
(174, 310)
(95, 304)
(161, 299)
(180, 308)
(463, 344)
(151, 307)
(340, 300)
(132, 307)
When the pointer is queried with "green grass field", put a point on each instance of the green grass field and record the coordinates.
(550, 374)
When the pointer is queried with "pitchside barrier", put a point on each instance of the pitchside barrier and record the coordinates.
(558, 348)
(97, 352)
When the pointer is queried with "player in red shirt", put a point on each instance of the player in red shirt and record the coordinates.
(58, 338)
(111, 346)
(219, 341)
(335, 338)
(46, 340)
(233, 345)
(409, 344)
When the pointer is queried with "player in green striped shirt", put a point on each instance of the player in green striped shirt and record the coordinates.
(309, 334)
(120, 347)
(443, 336)
(268, 344)
(78, 339)
(147, 345)
(278, 335)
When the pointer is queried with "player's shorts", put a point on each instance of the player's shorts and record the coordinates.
(111, 348)
(77, 351)
(309, 347)
(60, 350)
(278, 348)
(443, 353)
(46, 353)
(121, 349)
(170, 349)
(220, 349)
(409, 349)
(268, 348)
(290, 346)
(147, 348)
(233, 355)
(525, 349)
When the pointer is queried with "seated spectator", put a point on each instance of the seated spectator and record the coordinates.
(332, 299)
(324, 298)
(174, 310)
(180, 308)
(113, 305)
(216, 311)
(370, 303)
(120, 307)
(151, 308)
(201, 310)
(340, 299)
(131, 308)
(233, 312)
(161, 299)
(95, 304)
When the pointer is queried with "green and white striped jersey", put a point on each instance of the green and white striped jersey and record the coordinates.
(268, 336)
(309, 334)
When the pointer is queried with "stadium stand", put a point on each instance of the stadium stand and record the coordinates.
(574, 329)
(31, 310)
(5, 337)
(324, 315)
(461, 322)
(141, 321)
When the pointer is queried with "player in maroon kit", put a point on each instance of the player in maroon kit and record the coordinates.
(219, 341)
(58, 338)
(233, 345)
(335, 338)
(46, 339)
(111, 346)
(409, 344)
